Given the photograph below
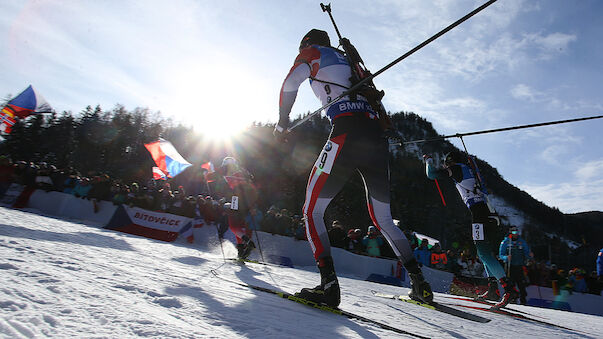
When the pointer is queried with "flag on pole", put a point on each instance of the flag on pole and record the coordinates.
(158, 174)
(167, 158)
(208, 166)
(23, 105)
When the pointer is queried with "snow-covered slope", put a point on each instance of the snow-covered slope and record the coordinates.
(64, 279)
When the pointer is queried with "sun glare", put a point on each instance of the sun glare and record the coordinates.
(225, 102)
(219, 127)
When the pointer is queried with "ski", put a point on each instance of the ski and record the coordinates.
(252, 261)
(515, 315)
(435, 306)
(484, 302)
(338, 311)
(243, 261)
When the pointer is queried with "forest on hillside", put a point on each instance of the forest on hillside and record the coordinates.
(112, 142)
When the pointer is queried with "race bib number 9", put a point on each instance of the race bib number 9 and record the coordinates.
(478, 231)
(234, 203)
(327, 157)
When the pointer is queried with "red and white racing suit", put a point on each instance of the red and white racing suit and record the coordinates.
(355, 145)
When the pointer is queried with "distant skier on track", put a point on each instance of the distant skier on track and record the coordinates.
(485, 224)
(243, 197)
(356, 144)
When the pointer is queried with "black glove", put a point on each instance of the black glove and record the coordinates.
(280, 133)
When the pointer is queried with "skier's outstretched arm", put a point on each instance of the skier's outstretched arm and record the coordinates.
(300, 71)
(432, 172)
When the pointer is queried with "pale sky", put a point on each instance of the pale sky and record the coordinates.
(214, 64)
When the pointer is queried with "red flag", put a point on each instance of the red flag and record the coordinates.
(209, 167)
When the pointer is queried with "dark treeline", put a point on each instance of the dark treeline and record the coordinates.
(113, 141)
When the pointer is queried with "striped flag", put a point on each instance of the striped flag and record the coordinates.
(23, 105)
(167, 157)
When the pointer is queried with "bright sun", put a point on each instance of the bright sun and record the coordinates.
(224, 103)
(220, 127)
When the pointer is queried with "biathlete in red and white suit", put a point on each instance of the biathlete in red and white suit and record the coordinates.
(239, 189)
(356, 144)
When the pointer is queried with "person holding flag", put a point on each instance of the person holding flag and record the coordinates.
(485, 223)
(158, 174)
(357, 144)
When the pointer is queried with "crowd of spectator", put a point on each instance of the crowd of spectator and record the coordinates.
(160, 196)
(153, 195)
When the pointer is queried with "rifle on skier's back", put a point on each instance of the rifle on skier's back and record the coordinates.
(481, 185)
(359, 73)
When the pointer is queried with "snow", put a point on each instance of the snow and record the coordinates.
(60, 278)
(510, 215)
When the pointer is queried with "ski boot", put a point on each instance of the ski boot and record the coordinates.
(328, 291)
(511, 293)
(420, 289)
(492, 293)
(245, 248)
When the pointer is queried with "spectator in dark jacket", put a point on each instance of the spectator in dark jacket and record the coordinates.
(120, 194)
(101, 190)
(337, 235)
(58, 177)
(354, 241)
(268, 223)
(189, 206)
(452, 265)
(283, 222)
(7, 172)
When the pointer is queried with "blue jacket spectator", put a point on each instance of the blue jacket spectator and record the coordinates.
(373, 242)
(69, 184)
(520, 251)
(423, 254)
(82, 189)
